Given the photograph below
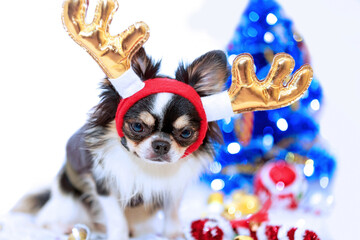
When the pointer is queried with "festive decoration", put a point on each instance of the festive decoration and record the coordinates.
(263, 32)
(206, 229)
(247, 93)
(243, 238)
(219, 229)
(210, 229)
(244, 126)
(310, 235)
(242, 211)
(216, 204)
(289, 134)
(276, 232)
(79, 232)
(271, 232)
(284, 183)
(112, 53)
(252, 223)
(241, 205)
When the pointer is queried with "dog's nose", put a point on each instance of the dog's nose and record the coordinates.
(160, 147)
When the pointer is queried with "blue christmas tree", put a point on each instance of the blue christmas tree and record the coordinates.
(289, 133)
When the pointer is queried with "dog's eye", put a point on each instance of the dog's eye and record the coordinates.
(137, 127)
(187, 133)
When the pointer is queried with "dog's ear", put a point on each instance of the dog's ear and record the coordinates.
(207, 74)
(144, 66)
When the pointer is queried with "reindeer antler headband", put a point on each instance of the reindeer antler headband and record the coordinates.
(113, 54)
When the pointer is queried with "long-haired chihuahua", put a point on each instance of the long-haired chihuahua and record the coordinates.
(121, 182)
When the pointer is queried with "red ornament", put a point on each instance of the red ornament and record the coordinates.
(282, 173)
(283, 182)
(257, 218)
(271, 232)
(197, 229)
(291, 233)
(206, 229)
(310, 235)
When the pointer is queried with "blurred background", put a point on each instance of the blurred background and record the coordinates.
(48, 83)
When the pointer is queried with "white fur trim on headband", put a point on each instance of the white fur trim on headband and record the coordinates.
(217, 106)
(127, 84)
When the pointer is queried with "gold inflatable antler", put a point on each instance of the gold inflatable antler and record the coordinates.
(277, 90)
(112, 53)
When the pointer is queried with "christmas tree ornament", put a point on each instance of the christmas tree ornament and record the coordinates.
(284, 183)
(277, 232)
(316, 161)
(80, 232)
(271, 232)
(249, 225)
(254, 226)
(243, 127)
(216, 197)
(217, 229)
(310, 235)
(216, 203)
(241, 205)
(210, 229)
(243, 238)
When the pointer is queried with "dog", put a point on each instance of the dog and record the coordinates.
(118, 183)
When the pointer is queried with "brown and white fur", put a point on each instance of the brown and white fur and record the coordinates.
(118, 183)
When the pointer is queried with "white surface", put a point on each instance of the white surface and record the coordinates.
(195, 206)
(48, 83)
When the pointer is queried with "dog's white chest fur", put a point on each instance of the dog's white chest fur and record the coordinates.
(126, 175)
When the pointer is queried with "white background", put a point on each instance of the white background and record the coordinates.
(48, 83)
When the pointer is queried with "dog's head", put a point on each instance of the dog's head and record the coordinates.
(160, 127)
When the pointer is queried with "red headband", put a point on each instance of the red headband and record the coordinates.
(160, 85)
